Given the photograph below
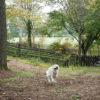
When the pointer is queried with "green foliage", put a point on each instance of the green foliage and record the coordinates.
(78, 16)
(61, 48)
(54, 25)
(56, 19)
(24, 14)
(55, 46)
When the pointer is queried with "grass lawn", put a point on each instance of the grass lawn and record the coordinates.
(92, 71)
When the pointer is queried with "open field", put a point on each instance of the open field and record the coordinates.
(26, 80)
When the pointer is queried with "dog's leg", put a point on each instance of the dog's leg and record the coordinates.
(56, 77)
(53, 79)
(49, 79)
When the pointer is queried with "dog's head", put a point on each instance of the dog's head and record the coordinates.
(56, 67)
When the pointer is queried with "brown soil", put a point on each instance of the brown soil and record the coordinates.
(37, 87)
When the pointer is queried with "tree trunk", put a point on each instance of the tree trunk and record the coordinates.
(33, 40)
(86, 44)
(29, 40)
(29, 30)
(80, 39)
(84, 52)
(20, 37)
(3, 36)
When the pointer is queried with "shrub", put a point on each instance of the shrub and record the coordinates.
(54, 46)
(66, 47)
(60, 48)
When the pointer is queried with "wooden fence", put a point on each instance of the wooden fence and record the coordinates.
(84, 60)
(51, 56)
(46, 55)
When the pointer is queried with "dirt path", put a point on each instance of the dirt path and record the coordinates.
(37, 88)
(25, 67)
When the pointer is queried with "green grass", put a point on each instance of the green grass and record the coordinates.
(9, 79)
(16, 70)
(26, 74)
(56, 88)
(68, 89)
(32, 61)
(12, 79)
(63, 89)
(60, 96)
(93, 74)
(90, 71)
(1, 80)
(20, 73)
(75, 96)
(23, 73)
(65, 71)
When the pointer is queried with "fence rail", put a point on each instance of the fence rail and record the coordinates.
(46, 55)
(85, 60)
(51, 56)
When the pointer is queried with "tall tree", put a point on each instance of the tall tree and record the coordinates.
(3, 36)
(76, 12)
(83, 17)
(92, 26)
(28, 11)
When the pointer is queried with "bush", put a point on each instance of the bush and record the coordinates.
(66, 48)
(54, 46)
(60, 48)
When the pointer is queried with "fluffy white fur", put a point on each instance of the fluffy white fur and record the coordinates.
(52, 73)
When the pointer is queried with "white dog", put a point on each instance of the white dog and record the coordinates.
(52, 73)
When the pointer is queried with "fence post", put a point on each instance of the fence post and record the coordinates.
(18, 50)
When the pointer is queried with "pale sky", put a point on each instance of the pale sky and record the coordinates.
(48, 9)
(45, 9)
